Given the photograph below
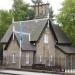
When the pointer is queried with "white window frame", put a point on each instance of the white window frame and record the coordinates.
(40, 58)
(46, 38)
(27, 58)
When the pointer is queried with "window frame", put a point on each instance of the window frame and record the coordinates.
(27, 58)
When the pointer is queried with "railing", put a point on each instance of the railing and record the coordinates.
(38, 62)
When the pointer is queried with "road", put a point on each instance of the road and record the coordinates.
(13, 72)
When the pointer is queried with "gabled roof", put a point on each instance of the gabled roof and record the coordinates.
(67, 49)
(7, 35)
(35, 28)
(26, 45)
(60, 35)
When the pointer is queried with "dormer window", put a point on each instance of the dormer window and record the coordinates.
(46, 39)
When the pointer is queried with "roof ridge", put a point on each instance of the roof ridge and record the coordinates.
(30, 20)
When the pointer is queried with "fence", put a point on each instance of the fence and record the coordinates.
(45, 63)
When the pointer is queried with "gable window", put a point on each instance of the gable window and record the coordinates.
(46, 38)
(27, 58)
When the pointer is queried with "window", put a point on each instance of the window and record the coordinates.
(46, 38)
(13, 58)
(27, 58)
(40, 59)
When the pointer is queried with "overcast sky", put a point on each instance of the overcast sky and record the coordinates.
(56, 4)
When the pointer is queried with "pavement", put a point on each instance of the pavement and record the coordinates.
(18, 72)
(15, 72)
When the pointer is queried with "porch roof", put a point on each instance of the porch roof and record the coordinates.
(67, 49)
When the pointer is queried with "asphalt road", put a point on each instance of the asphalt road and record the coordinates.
(15, 72)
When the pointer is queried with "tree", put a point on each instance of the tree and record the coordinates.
(67, 19)
(5, 21)
(37, 1)
(21, 11)
(31, 14)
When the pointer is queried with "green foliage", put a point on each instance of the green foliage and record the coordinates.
(37, 1)
(5, 21)
(21, 11)
(67, 18)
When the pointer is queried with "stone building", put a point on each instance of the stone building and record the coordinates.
(46, 44)
(41, 10)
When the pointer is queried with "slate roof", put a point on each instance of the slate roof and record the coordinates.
(35, 27)
(60, 35)
(67, 49)
(7, 35)
(26, 45)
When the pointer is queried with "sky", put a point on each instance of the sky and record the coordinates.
(56, 4)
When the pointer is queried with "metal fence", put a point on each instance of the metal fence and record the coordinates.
(41, 62)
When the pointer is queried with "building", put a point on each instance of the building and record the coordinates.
(42, 42)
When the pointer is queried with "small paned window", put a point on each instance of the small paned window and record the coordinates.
(27, 58)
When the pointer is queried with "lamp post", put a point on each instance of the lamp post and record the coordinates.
(21, 34)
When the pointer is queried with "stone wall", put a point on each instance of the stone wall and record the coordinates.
(46, 51)
(13, 48)
(60, 58)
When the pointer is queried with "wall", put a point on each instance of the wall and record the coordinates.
(60, 58)
(46, 50)
(13, 48)
(23, 59)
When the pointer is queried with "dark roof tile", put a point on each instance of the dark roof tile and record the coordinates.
(60, 35)
(67, 49)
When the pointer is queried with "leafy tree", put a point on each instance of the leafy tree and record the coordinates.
(31, 14)
(67, 18)
(37, 1)
(5, 21)
(21, 10)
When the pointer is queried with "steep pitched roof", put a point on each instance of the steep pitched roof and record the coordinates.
(35, 27)
(60, 35)
(67, 49)
(26, 45)
(7, 35)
